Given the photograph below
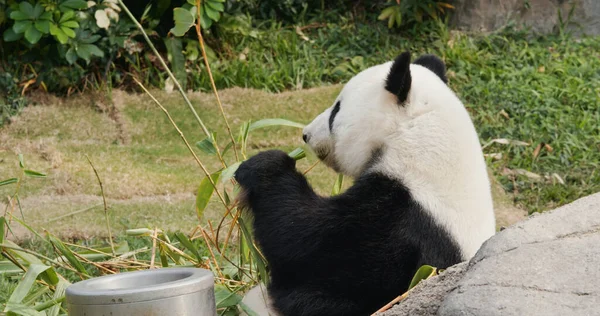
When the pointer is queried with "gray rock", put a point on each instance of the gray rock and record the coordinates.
(547, 265)
(539, 15)
(425, 298)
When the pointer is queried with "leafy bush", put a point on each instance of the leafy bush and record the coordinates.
(399, 13)
(73, 45)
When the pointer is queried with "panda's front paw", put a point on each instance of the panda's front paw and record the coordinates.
(263, 167)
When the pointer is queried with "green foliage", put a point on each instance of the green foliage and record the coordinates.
(424, 273)
(545, 94)
(11, 100)
(30, 21)
(403, 12)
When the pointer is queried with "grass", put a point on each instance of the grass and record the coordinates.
(150, 180)
(544, 92)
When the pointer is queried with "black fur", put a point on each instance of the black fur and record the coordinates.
(345, 255)
(398, 80)
(334, 112)
(434, 64)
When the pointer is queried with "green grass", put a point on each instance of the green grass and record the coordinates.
(540, 91)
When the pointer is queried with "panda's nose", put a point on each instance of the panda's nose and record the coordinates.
(305, 137)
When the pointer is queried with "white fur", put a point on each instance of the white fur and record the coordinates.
(430, 144)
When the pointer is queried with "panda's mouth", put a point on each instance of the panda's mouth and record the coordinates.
(322, 154)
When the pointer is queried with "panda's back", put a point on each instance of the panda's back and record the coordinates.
(383, 237)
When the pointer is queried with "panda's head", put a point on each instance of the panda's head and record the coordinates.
(398, 107)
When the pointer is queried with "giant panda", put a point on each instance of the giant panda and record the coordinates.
(421, 194)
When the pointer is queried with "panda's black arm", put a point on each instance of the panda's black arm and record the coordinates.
(290, 220)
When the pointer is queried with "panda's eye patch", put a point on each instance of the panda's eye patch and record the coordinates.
(334, 112)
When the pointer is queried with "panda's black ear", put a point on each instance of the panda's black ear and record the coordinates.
(434, 64)
(398, 80)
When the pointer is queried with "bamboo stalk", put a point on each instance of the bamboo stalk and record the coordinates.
(164, 64)
(110, 239)
(210, 76)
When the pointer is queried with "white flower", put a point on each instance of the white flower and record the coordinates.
(102, 19)
(112, 14)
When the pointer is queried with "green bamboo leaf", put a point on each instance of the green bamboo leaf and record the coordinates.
(2, 229)
(27, 258)
(140, 232)
(68, 254)
(34, 174)
(164, 261)
(207, 146)
(249, 311)
(227, 147)
(205, 191)
(225, 298)
(104, 252)
(424, 272)
(25, 285)
(258, 259)
(244, 131)
(21, 310)
(337, 186)
(188, 244)
(274, 122)
(35, 295)
(228, 172)
(8, 181)
(226, 197)
(8, 268)
(57, 297)
(297, 153)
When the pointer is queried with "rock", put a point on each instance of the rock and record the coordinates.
(425, 298)
(256, 301)
(539, 15)
(546, 265)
